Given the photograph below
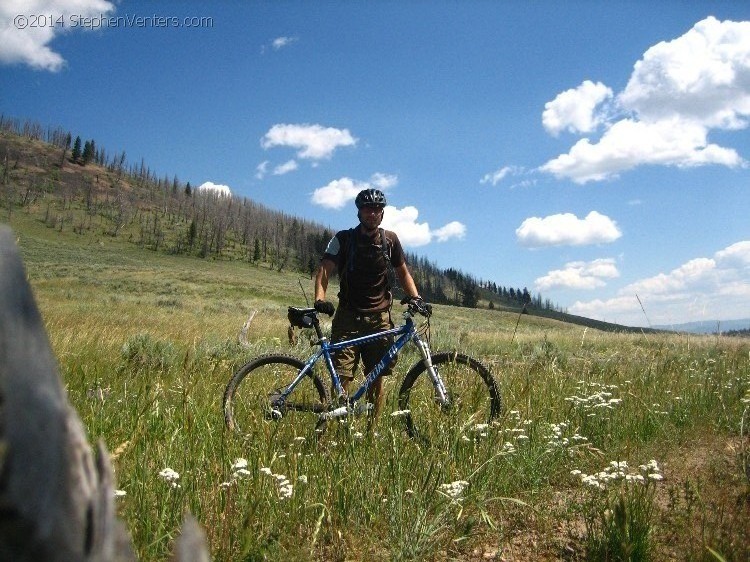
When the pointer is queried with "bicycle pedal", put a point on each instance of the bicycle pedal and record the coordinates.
(273, 414)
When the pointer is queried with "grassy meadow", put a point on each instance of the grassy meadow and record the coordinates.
(610, 447)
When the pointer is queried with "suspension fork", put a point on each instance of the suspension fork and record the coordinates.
(441, 393)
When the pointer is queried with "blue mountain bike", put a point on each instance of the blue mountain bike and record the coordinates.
(440, 391)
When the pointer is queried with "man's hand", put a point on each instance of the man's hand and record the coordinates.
(418, 303)
(325, 307)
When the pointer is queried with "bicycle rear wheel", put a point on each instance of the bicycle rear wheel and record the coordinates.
(472, 391)
(255, 400)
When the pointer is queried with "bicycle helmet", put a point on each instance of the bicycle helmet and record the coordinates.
(370, 198)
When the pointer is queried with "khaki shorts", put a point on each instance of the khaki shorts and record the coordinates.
(348, 324)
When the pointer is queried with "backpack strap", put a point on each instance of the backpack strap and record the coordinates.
(352, 250)
(386, 249)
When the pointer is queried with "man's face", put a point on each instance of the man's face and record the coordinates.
(370, 217)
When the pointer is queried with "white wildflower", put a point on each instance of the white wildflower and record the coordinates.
(170, 476)
(455, 489)
(239, 463)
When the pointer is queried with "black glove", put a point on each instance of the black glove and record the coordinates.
(418, 303)
(325, 307)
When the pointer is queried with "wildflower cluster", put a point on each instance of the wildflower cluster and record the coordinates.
(617, 472)
(239, 470)
(558, 440)
(601, 399)
(285, 487)
(170, 477)
(476, 431)
(454, 490)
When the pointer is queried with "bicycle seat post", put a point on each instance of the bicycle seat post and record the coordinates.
(316, 326)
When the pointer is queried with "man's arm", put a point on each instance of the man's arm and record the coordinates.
(321, 279)
(407, 282)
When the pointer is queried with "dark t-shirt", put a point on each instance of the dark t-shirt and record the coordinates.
(364, 283)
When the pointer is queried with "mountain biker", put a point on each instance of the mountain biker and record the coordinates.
(361, 256)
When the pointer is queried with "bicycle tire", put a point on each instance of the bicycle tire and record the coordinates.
(473, 392)
(250, 403)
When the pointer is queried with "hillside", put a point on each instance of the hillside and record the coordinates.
(78, 187)
(711, 326)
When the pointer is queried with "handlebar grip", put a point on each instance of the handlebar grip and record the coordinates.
(416, 304)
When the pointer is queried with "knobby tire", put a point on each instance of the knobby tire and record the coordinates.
(471, 388)
(248, 402)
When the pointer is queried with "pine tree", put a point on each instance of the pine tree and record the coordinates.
(192, 233)
(89, 150)
(256, 251)
(77, 150)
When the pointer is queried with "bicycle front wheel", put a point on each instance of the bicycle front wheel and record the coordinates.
(474, 399)
(252, 395)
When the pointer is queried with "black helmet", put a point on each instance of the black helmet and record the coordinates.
(370, 198)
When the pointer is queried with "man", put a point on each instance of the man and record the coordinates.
(361, 257)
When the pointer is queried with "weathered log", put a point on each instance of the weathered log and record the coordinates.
(56, 497)
(245, 328)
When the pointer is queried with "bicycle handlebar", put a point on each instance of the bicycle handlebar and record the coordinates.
(418, 306)
(308, 317)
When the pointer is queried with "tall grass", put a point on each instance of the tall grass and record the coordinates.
(147, 343)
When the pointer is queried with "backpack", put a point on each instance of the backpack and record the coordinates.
(352, 249)
(351, 255)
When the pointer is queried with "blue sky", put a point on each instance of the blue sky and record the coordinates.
(594, 152)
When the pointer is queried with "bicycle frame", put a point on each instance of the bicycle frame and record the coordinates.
(405, 333)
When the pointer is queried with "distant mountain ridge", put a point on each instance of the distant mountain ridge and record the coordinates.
(708, 326)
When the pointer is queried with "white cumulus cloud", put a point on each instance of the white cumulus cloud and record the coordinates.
(412, 233)
(262, 169)
(312, 142)
(678, 93)
(575, 110)
(25, 41)
(338, 193)
(498, 175)
(702, 288)
(285, 168)
(281, 42)
(579, 275)
(404, 223)
(216, 188)
(567, 230)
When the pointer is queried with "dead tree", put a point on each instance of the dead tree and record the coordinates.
(56, 495)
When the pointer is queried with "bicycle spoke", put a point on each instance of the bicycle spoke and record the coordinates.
(473, 399)
(253, 396)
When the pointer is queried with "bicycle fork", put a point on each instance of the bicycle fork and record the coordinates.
(441, 393)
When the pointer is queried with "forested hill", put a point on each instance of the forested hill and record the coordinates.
(76, 185)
